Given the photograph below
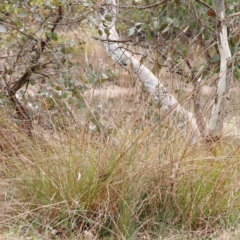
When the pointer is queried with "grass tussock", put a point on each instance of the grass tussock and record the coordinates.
(148, 182)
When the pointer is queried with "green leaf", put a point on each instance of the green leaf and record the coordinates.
(54, 36)
(206, 36)
(201, 30)
(48, 4)
(106, 30)
(85, 4)
(108, 18)
(163, 26)
(71, 100)
(64, 95)
(166, 29)
(169, 20)
(64, 50)
(149, 36)
(176, 23)
(215, 58)
(97, 124)
(58, 88)
(131, 31)
(48, 35)
(37, 17)
(104, 24)
(51, 36)
(22, 14)
(100, 32)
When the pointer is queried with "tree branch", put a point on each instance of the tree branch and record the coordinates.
(145, 7)
(206, 5)
(233, 15)
(151, 83)
(22, 113)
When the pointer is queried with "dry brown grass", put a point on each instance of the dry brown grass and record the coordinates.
(141, 179)
(134, 177)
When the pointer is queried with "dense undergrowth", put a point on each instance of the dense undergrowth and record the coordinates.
(139, 182)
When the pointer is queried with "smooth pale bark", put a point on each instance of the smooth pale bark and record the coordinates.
(106, 18)
(217, 114)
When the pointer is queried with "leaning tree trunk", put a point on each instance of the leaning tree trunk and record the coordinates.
(217, 113)
(106, 18)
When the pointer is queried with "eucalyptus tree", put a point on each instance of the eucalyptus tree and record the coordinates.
(164, 24)
(34, 51)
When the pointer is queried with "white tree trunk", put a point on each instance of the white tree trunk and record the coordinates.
(216, 119)
(106, 18)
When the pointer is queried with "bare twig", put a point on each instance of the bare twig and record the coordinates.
(145, 7)
(206, 5)
(233, 15)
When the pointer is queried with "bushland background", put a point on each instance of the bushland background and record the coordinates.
(85, 153)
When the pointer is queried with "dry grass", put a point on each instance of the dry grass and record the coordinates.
(139, 180)
(135, 177)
